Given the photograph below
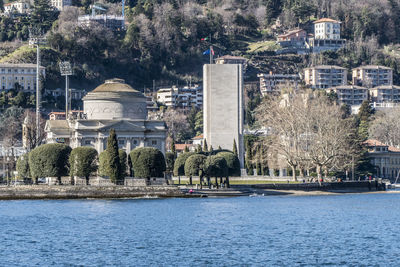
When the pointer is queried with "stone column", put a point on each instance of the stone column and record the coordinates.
(128, 145)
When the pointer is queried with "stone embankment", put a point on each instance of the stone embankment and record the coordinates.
(164, 191)
(75, 192)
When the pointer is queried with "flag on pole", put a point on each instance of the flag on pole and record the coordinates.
(204, 39)
(207, 52)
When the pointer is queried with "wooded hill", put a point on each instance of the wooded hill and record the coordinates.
(163, 38)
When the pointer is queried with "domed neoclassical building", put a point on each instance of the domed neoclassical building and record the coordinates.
(116, 105)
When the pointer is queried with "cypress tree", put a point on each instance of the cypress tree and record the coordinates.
(234, 150)
(205, 146)
(186, 149)
(211, 149)
(173, 149)
(199, 149)
(219, 148)
(114, 166)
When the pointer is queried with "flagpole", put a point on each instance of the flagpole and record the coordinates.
(211, 50)
(211, 55)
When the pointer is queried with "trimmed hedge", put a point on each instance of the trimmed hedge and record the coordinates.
(215, 166)
(49, 160)
(83, 161)
(194, 165)
(179, 165)
(232, 162)
(147, 162)
(23, 166)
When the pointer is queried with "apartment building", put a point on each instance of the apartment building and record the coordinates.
(385, 158)
(21, 7)
(23, 76)
(350, 94)
(372, 76)
(60, 4)
(385, 93)
(274, 83)
(325, 76)
(111, 22)
(184, 97)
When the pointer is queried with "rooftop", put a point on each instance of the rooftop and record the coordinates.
(386, 87)
(350, 87)
(373, 67)
(326, 67)
(290, 32)
(199, 137)
(375, 143)
(181, 147)
(326, 20)
(115, 85)
(18, 65)
(232, 57)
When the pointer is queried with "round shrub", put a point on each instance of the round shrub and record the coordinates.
(147, 162)
(194, 165)
(179, 165)
(49, 160)
(23, 166)
(83, 162)
(232, 162)
(216, 166)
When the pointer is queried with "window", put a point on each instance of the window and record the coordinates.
(121, 142)
(88, 142)
(154, 142)
(135, 142)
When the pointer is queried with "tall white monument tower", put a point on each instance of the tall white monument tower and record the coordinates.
(223, 106)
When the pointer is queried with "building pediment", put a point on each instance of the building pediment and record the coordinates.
(106, 125)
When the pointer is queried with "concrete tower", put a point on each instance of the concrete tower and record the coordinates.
(223, 106)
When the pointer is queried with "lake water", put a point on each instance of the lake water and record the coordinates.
(339, 230)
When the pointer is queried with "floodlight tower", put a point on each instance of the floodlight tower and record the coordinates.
(66, 70)
(36, 38)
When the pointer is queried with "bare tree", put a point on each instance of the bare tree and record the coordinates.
(177, 124)
(331, 142)
(308, 130)
(385, 127)
(29, 135)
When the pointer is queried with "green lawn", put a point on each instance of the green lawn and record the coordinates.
(262, 46)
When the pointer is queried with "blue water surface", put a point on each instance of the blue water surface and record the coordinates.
(335, 230)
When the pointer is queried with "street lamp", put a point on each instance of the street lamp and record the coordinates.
(66, 70)
(36, 37)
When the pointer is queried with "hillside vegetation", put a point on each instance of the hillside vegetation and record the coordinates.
(163, 38)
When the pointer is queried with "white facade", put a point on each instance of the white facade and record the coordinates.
(21, 7)
(112, 105)
(22, 74)
(60, 4)
(185, 97)
(327, 29)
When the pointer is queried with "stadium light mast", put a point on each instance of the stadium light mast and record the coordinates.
(66, 70)
(36, 38)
